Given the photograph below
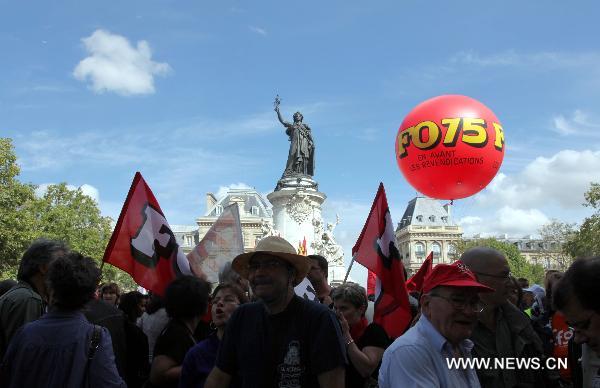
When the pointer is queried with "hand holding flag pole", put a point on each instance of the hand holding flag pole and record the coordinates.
(376, 250)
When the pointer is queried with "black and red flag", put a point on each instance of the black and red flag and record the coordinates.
(376, 250)
(415, 282)
(143, 244)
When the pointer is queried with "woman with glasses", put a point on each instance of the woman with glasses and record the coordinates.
(365, 343)
(200, 359)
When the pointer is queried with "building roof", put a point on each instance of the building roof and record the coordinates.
(184, 228)
(247, 199)
(423, 211)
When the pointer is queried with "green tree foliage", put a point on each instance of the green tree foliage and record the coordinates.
(71, 216)
(586, 241)
(558, 234)
(60, 214)
(518, 265)
(16, 225)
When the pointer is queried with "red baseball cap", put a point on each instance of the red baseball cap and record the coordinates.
(452, 275)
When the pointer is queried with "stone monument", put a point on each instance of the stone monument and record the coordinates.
(297, 201)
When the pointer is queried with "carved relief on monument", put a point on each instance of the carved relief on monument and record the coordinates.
(266, 229)
(299, 207)
(324, 243)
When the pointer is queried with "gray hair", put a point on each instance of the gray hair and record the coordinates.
(40, 252)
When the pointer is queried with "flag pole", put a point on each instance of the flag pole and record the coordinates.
(349, 268)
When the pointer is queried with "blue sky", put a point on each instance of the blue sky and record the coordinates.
(183, 92)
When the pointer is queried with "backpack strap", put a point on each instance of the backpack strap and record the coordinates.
(94, 344)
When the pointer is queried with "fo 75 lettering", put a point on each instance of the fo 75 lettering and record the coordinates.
(469, 130)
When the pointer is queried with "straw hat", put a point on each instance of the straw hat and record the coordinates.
(278, 247)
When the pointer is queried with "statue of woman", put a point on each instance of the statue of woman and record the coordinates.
(301, 157)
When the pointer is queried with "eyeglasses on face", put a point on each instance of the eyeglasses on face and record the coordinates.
(460, 303)
(270, 264)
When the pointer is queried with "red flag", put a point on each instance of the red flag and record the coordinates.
(376, 250)
(415, 283)
(143, 244)
(371, 282)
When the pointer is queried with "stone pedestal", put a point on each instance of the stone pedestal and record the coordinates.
(297, 216)
(294, 210)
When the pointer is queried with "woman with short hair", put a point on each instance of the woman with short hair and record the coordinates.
(62, 349)
(110, 293)
(200, 359)
(186, 299)
(365, 343)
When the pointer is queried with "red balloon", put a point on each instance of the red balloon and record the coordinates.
(450, 147)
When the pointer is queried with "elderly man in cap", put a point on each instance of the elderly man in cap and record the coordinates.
(282, 340)
(422, 356)
(502, 330)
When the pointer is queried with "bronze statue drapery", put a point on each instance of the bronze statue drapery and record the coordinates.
(301, 156)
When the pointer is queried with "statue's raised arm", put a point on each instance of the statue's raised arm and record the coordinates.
(302, 147)
(277, 102)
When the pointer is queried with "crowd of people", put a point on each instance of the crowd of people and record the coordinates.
(59, 327)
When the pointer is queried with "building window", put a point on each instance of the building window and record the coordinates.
(451, 251)
(420, 218)
(436, 248)
(254, 210)
(432, 218)
(219, 210)
(419, 250)
(547, 263)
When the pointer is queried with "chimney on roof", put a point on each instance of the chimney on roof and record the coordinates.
(448, 208)
(211, 201)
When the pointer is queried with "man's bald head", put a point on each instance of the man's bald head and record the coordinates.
(478, 259)
(491, 268)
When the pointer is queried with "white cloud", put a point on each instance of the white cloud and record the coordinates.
(506, 220)
(519, 221)
(352, 219)
(563, 126)
(114, 65)
(500, 59)
(222, 192)
(543, 59)
(578, 123)
(258, 30)
(47, 150)
(470, 220)
(561, 179)
(86, 189)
